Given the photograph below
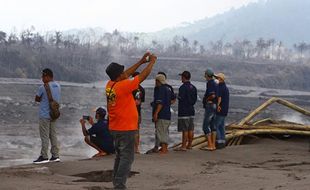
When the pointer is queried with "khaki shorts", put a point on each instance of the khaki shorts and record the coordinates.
(186, 124)
(162, 131)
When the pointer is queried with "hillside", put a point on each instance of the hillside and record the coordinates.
(284, 20)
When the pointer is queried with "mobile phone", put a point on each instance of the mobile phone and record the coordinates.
(86, 117)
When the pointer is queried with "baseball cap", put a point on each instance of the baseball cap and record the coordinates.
(209, 72)
(101, 111)
(220, 75)
(161, 78)
(114, 70)
(186, 75)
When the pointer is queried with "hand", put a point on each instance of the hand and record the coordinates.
(91, 120)
(144, 58)
(155, 117)
(153, 58)
(219, 108)
(82, 121)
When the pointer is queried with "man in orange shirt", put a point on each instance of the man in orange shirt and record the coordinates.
(123, 114)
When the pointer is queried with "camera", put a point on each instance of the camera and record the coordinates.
(86, 117)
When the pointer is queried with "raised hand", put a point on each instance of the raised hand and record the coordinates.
(146, 57)
(153, 58)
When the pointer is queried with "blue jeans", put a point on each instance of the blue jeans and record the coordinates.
(220, 129)
(208, 125)
(124, 142)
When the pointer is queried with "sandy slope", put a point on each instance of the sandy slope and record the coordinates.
(264, 164)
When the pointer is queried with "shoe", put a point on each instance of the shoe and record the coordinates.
(41, 160)
(54, 159)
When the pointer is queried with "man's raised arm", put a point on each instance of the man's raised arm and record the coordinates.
(133, 68)
(147, 70)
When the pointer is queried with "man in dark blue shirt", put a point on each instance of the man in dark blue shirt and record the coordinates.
(209, 103)
(222, 110)
(186, 112)
(98, 136)
(173, 99)
(161, 112)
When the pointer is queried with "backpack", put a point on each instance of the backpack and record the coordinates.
(54, 106)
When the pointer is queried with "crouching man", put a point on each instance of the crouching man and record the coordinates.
(98, 136)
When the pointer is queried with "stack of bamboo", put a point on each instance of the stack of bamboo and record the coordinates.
(237, 131)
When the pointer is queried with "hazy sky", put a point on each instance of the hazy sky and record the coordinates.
(125, 15)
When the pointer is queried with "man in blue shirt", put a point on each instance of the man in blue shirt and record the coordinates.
(186, 112)
(222, 110)
(98, 136)
(209, 103)
(46, 125)
(173, 99)
(161, 112)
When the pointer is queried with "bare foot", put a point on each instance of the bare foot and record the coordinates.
(161, 152)
(180, 149)
(99, 154)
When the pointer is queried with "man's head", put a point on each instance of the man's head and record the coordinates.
(115, 71)
(220, 77)
(185, 76)
(209, 74)
(100, 113)
(47, 75)
(160, 79)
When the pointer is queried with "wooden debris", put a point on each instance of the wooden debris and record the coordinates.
(236, 131)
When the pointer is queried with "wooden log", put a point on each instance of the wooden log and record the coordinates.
(279, 126)
(197, 140)
(239, 133)
(261, 121)
(257, 110)
(239, 141)
(293, 106)
(201, 145)
(268, 103)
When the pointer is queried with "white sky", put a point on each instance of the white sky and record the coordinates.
(125, 15)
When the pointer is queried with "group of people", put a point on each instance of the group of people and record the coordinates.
(119, 132)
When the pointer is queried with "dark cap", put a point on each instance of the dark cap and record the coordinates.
(47, 72)
(209, 72)
(101, 112)
(114, 70)
(186, 75)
